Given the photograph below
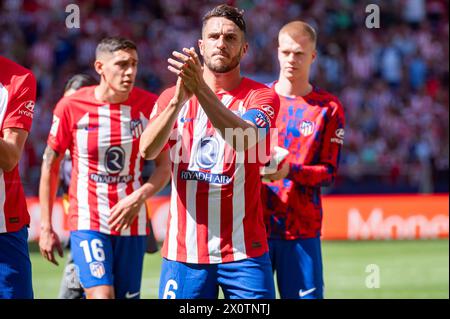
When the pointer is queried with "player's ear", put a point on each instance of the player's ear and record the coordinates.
(201, 46)
(314, 55)
(98, 66)
(244, 49)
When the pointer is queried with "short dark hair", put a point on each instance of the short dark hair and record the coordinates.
(228, 12)
(112, 44)
(78, 81)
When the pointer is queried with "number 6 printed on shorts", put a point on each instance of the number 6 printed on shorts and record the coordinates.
(169, 290)
(97, 250)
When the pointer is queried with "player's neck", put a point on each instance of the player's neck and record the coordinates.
(104, 93)
(222, 81)
(295, 88)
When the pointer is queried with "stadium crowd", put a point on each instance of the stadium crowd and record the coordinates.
(392, 80)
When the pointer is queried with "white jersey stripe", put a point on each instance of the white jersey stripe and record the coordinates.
(126, 144)
(191, 222)
(126, 136)
(104, 142)
(142, 218)
(82, 178)
(173, 224)
(191, 188)
(239, 208)
(3, 106)
(214, 238)
(2, 203)
(214, 197)
(4, 96)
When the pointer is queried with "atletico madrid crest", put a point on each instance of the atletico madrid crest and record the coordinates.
(136, 128)
(97, 269)
(307, 128)
(260, 121)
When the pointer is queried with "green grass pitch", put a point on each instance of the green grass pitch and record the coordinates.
(407, 269)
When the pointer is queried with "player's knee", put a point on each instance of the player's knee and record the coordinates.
(100, 295)
(100, 292)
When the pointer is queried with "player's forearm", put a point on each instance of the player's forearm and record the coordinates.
(159, 178)
(47, 194)
(10, 151)
(312, 175)
(48, 187)
(155, 183)
(222, 119)
(158, 131)
(8, 157)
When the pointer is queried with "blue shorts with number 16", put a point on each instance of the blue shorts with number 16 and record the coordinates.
(103, 259)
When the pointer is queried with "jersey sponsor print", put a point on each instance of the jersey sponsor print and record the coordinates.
(103, 140)
(215, 212)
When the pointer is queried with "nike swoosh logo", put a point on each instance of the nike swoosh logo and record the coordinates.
(306, 292)
(129, 295)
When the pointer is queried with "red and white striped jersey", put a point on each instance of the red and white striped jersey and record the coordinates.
(17, 99)
(103, 140)
(216, 213)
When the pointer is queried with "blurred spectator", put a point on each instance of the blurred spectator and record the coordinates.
(393, 81)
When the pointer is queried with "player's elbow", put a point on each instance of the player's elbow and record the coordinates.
(148, 154)
(145, 150)
(144, 154)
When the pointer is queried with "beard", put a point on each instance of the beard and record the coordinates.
(222, 67)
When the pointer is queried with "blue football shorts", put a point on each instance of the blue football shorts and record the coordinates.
(298, 267)
(249, 278)
(15, 266)
(102, 259)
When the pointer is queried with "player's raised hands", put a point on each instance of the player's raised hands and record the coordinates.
(182, 94)
(48, 241)
(188, 67)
